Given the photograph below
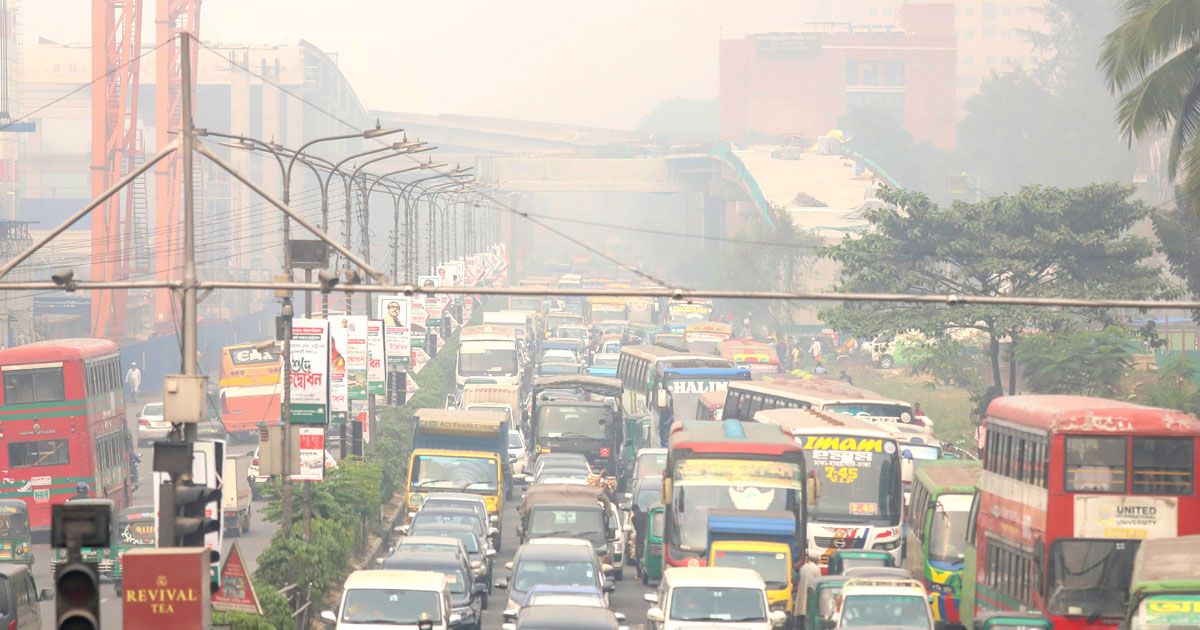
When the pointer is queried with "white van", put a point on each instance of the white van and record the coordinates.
(394, 599)
(717, 597)
(883, 603)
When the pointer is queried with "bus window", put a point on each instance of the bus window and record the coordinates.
(1095, 464)
(38, 453)
(33, 386)
(1162, 465)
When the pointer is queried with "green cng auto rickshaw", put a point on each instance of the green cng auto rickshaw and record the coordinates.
(844, 559)
(651, 564)
(637, 437)
(15, 537)
(135, 528)
(821, 601)
(1012, 621)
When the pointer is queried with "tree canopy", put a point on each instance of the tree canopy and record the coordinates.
(1038, 242)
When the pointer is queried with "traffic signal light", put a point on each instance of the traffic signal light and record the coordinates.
(77, 596)
(182, 518)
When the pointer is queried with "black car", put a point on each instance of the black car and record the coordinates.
(468, 594)
(565, 618)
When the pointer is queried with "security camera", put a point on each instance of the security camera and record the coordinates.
(328, 280)
(63, 277)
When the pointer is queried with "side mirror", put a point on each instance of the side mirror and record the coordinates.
(828, 624)
(606, 568)
(327, 615)
(493, 519)
(608, 586)
(501, 584)
(655, 615)
(619, 616)
(455, 620)
(489, 553)
(778, 618)
(45, 595)
(650, 597)
(492, 531)
(403, 529)
(510, 615)
(507, 565)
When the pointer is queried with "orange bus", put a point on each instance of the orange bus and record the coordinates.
(706, 337)
(250, 389)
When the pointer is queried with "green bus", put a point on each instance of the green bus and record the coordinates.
(1164, 590)
(935, 545)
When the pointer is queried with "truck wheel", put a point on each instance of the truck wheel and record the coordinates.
(887, 362)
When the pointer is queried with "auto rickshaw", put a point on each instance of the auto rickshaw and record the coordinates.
(650, 566)
(16, 540)
(1012, 621)
(821, 601)
(637, 437)
(843, 559)
(135, 528)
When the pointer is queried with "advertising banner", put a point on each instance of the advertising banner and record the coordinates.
(165, 588)
(396, 311)
(311, 445)
(1130, 517)
(356, 356)
(358, 412)
(376, 370)
(339, 401)
(310, 371)
(236, 592)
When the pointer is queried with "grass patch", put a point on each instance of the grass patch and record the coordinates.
(950, 407)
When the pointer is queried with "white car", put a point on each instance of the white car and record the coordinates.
(518, 457)
(151, 425)
(390, 599)
(712, 597)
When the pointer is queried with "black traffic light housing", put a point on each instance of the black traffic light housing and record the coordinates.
(77, 596)
(182, 522)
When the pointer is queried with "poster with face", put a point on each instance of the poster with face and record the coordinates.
(397, 311)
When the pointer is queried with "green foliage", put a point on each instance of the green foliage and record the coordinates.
(1084, 362)
(683, 119)
(1151, 59)
(760, 258)
(1174, 386)
(948, 360)
(1176, 230)
(1040, 242)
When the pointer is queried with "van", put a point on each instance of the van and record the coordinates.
(19, 598)
(688, 596)
(391, 599)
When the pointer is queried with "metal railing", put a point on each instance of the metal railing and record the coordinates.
(300, 601)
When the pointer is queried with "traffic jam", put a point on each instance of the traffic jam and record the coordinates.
(629, 463)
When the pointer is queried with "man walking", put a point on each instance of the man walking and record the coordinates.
(133, 380)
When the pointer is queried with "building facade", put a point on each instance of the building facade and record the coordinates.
(775, 85)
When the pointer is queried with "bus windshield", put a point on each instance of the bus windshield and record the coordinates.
(772, 566)
(858, 480)
(487, 359)
(701, 485)
(948, 528)
(870, 409)
(1090, 577)
(462, 473)
(567, 421)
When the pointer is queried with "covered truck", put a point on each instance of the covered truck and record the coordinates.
(455, 450)
(235, 493)
(570, 511)
(579, 414)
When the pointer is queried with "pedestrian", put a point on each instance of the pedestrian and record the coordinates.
(815, 351)
(980, 433)
(781, 350)
(845, 376)
(795, 356)
(82, 491)
(133, 380)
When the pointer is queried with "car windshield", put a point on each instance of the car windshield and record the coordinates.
(857, 480)
(423, 517)
(391, 606)
(561, 473)
(648, 494)
(892, 611)
(772, 566)
(651, 464)
(557, 369)
(152, 409)
(436, 547)
(604, 362)
(531, 573)
(515, 440)
(948, 529)
(567, 421)
(479, 474)
(697, 603)
(468, 539)
(564, 599)
(1090, 578)
(478, 360)
(566, 522)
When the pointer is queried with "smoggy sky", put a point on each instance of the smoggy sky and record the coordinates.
(570, 61)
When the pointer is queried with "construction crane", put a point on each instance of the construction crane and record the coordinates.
(172, 17)
(116, 46)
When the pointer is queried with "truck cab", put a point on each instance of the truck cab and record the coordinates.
(758, 540)
(460, 451)
(579, 414)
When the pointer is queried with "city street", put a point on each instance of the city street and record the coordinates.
(110, 605)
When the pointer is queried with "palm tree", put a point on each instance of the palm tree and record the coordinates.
(1153, 61)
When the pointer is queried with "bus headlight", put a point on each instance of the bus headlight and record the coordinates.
(888, 545)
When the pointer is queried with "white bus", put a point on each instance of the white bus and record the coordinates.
(487, 354)
(854, 493)
(743, 400)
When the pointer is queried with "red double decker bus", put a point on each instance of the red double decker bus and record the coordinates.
(62, 421)
(1070, 487)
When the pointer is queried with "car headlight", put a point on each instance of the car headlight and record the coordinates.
(887, 546)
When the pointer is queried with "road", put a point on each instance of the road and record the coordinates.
(626, 599)
(250, 545)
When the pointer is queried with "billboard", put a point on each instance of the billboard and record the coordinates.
(376, 369)
(397, 313)
(309, 360)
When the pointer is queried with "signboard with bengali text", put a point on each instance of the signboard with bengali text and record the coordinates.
(310, 371)
(376, 357)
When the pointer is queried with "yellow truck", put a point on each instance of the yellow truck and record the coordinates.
(459, 451)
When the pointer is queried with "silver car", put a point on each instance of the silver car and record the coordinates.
(151, 425)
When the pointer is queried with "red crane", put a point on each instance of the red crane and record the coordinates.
(171, 18)
(116, 45)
